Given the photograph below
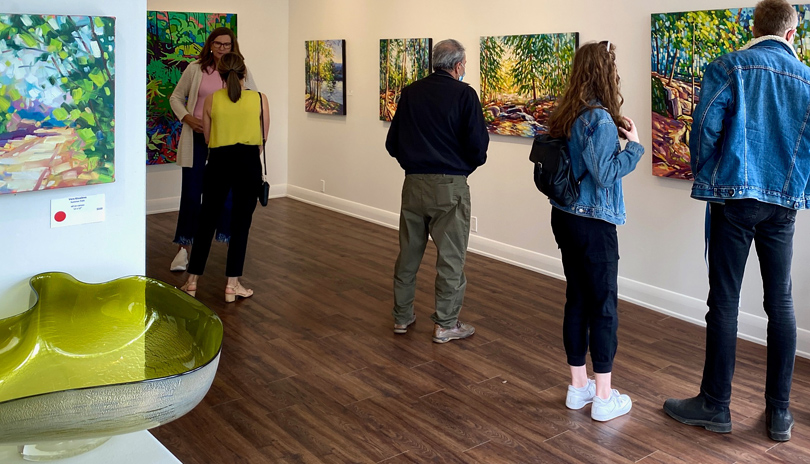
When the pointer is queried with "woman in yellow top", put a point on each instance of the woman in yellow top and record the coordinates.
(232, 124)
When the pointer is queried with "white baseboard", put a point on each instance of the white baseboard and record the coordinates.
(166, 205)
(750, 327)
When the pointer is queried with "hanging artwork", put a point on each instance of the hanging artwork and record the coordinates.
(402, 61)
(57, 101)
(521, 78)
(174, 40)
(683, 44)
(325, 72)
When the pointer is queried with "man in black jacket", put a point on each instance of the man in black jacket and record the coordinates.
(439, 137)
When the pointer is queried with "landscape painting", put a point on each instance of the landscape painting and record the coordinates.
(402, 61)
(683, 44)
(325, 73)
(174, 39)
(57, 101)
(522, 76)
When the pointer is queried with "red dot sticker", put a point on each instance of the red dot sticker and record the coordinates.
(60, 216)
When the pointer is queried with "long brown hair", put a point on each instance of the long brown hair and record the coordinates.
(594, 79)
(232, 70)
(206, 57)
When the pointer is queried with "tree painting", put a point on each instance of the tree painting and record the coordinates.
(57, 101)
(325, 76)
(174, 40)
(522, 76)
(683, 44)
(402, 61)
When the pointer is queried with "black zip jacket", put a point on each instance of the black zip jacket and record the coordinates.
(438, 128)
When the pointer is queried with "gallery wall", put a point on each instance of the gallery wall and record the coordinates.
(661, 264)
(92, 252)
(263, 30)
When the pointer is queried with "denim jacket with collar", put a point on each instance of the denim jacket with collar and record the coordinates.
(751, 130)
(595, 152)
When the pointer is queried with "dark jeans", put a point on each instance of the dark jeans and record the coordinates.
(236, 169)
(191, 199)
(590, 257)
(733, 227)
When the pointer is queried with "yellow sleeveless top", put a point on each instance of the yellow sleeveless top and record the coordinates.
(233, 123)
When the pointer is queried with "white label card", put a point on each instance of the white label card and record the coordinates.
(77, 210)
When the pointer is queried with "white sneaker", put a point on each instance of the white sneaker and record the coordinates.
(611, 408)
(180, 260)
(577, 398)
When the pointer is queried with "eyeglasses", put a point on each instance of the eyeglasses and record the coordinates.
(221, 44)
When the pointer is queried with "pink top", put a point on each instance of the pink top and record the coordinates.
(209, 84)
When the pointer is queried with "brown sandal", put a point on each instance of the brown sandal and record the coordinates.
(231, 292)
(190, 288)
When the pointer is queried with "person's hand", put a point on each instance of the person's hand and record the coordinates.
(195, 123)
(632, 133)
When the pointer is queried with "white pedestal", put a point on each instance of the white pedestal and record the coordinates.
(134, 448)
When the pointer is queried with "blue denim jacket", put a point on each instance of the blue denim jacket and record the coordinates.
(751, 131)
(595, 150)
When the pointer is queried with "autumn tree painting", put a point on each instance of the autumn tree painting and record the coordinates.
(402, 61)
(325, 76)
(522, 76)
(174, 39)
(57, 101)
(683, 44)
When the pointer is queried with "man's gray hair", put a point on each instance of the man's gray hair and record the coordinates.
(447, 54)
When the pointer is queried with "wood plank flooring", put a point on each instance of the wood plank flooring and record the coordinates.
(312, 373)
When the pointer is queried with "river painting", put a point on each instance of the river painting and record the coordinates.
(683, 44)
(402, 61)
(522, 76)
(57, 96)
(325, 76)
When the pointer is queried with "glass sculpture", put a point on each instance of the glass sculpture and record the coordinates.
(89, 361)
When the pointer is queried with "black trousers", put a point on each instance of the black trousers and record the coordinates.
(590, 257)
(236, 169)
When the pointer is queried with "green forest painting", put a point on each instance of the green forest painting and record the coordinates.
(522, 76)
(174, 39)
(57, 101)
(683, 44)
(325, 76)
(402, 61)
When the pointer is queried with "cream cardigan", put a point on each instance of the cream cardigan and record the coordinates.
(183, 102)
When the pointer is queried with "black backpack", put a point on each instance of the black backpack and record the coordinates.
(553, 174)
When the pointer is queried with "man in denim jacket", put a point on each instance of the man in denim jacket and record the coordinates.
(750, 147)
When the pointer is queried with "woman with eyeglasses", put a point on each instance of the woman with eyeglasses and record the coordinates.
(199, 80)
(589, 117)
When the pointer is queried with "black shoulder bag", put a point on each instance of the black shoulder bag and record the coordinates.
(553, 173)
(264, 193)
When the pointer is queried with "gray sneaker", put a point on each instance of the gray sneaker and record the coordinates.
(403, 328)
(457, 332)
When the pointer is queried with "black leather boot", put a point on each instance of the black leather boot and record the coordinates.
(779, 423)
(695, 411)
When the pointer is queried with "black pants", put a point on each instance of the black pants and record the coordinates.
(235, 168)
(590, 257)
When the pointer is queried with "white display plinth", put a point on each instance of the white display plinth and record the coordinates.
(133, 448)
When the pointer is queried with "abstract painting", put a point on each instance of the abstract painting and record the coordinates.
(174, 40)
(522, 76)
(683, 44)
(57, 101)
(325, 70)
(402, 61)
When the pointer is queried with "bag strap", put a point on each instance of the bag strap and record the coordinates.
(261, 128)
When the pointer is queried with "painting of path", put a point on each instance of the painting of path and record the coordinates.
(325, 77)
(402, 61)
(57, 94)
(521, 78)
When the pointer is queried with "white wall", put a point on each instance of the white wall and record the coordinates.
(263, 31)
(93, 252)
(661, 263)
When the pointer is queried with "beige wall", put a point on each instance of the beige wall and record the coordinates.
(662, 244)
(263, 31)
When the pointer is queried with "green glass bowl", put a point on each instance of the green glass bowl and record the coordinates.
(90, 361)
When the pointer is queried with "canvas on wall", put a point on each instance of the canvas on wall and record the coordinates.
(57, 101)
(402, 61)
(325, 71)
(522, 76)
(683, 44)
(174, 39)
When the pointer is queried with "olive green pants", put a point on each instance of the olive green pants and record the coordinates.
(438, 205)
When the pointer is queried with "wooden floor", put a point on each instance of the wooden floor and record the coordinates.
(312, 373)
